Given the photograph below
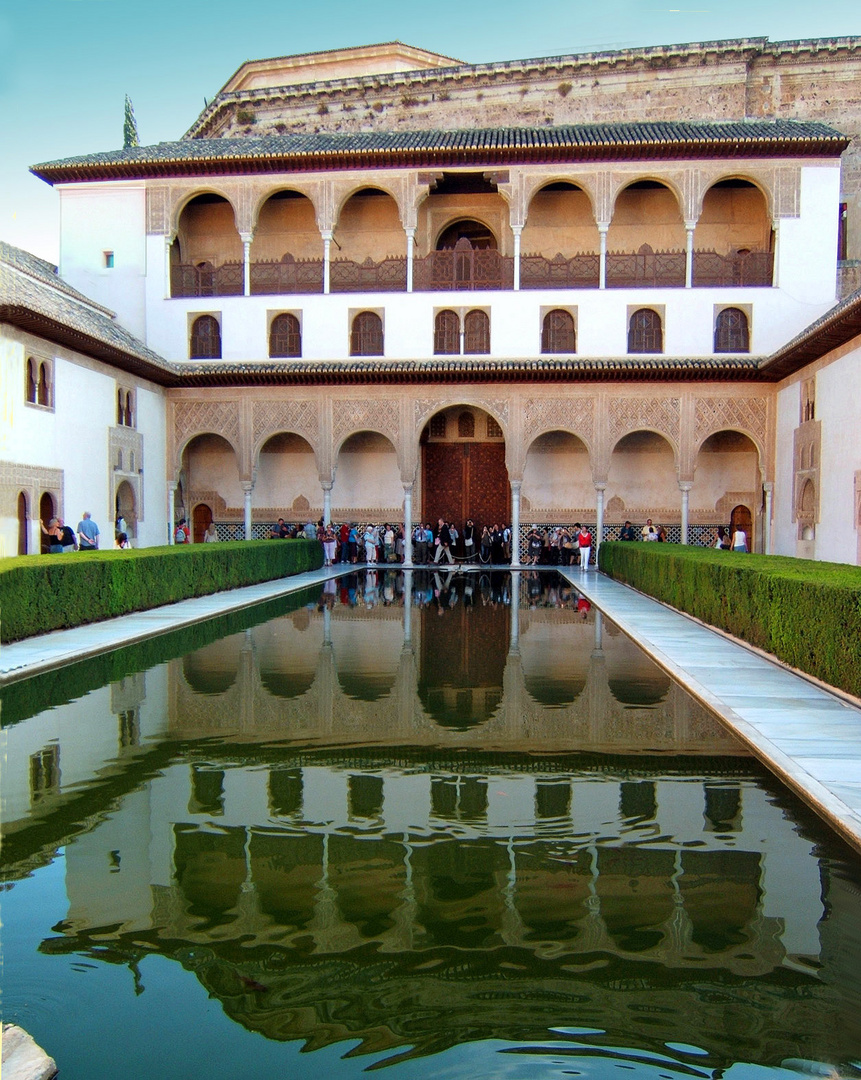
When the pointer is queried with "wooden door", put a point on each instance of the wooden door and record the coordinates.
(201, 518)
(463, 480)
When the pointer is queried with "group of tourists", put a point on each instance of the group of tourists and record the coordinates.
(560, 546)
(61, 538)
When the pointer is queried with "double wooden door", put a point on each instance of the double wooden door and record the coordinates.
(465, 480)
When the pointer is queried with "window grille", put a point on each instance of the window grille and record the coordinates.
(446, 334)
(438, 426)
(366, 338)
(31, 381)
(645, 333)
(476, 332)
(205, 338)
(466, 426)
(285, 336)
(43, 391)
(557, 333)
(732, 334)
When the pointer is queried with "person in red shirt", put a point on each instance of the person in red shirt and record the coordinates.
(584, 542)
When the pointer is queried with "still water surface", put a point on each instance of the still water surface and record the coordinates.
(457, 836)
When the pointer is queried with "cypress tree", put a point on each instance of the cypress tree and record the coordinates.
(130, 126)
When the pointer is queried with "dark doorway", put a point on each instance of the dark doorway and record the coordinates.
(46, 512)
(201, 519)
(463, 480)
(23, 524)
(741, 519)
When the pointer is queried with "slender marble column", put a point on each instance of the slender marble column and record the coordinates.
(408, 525)
(517, 230)
(685, 488)
(689, 254)
(599, 513)
(768, 487)
(603, 226)
(247, 488)
(171, 509)
(246, 263)
(168, 243)
(515, 523)
(775, 279)
(411, 250)
(327, 256)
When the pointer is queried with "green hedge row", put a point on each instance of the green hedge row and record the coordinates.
(39, 593)
(806, 613)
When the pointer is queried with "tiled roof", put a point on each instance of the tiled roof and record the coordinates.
(836, 327)
(580, 142)
(34, 298)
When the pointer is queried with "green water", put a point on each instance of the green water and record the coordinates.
(457, 837)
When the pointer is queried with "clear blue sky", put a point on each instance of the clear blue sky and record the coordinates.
(66, 65)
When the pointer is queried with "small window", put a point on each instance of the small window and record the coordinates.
(438, 426)
(446, 334)
(466, 426)
(494, 431)
(205, 338)
(732, 334)
(557, 332)
(645, 333)
(808, 400)
(31, 380)
(285, 336)
(476, 332)
(109, 260)
(120, 408)
(366, 338)
(129, 416)
(43, 390)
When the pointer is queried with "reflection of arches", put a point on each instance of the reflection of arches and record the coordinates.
(555, 659)
(210, 867)
(634, 680)
(367, 664)
(214, 668)
(287, 656)
(23, 524)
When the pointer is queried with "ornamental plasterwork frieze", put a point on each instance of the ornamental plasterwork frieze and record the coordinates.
(627, 414)
(746, 414)
(573, 414)
(34, 481)
(206, 418)
(272, 417)
(381, 415)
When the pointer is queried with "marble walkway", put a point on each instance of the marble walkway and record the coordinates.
(809, 737)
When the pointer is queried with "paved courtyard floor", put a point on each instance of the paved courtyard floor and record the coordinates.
(809, 737)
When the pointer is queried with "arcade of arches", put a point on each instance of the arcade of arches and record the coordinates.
(689, 455)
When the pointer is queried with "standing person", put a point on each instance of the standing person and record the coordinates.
(584, 542)
(497, 545)
(469, 540)
(420, 554)
(122, 540)
(344, 538)
(534, 546)
(181, 533)
(67, 537)
(211, 534)
(370, 542)
(354, 543)
(88, 533)
(627, 532)
(506, 542)
(388, 543)
(739, 539)
(484, 545)
(721, 540)
(329, 542)
(55, 536)
(443, 542)
(648, 531)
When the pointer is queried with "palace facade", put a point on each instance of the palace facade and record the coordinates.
(377, 284)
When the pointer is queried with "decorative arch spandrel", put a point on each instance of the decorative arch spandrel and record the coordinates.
(193, 418)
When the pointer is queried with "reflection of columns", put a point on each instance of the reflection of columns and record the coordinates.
(408, 607)
(246, 263)
(411, 250)
(408, 524)
(599, 513)
(599, 632)
(603, 226)
(685, 487)
(327, 255)
(327, 501)
(514, 616)
(689, 254)
(768, 488)
(247, 488)
(515, 523)
(171, 509)
(517, 230)
(327, 625)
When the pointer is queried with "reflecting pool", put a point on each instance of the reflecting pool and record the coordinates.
(456, 825)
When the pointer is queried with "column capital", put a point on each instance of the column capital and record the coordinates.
(685, 485)
(246, 237)
(768, 485)
(600, 485)
(247, 486)
(690, 226)
(516, 485)
(407, 485)
(327, 485)
(327, 234)
(603, 226)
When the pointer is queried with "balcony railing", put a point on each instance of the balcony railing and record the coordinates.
(469, 269)
(288, 275)
(578, 272)
(387, 275)
(754, 268)
(463, 269)
(636, 270)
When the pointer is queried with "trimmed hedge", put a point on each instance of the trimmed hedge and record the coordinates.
(39, 593)
(806, 613)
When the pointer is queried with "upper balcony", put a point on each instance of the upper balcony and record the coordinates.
(463, 240)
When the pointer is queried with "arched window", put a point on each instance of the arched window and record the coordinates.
(557, 332)
(129, 411)
(43, 391)
(466, 426)
(285, 337)
(476, 332)
(446, 333)
(120, 410)
(31, 380)
(732, 334)
(645, 333)
(366, 338)
(205, 338)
